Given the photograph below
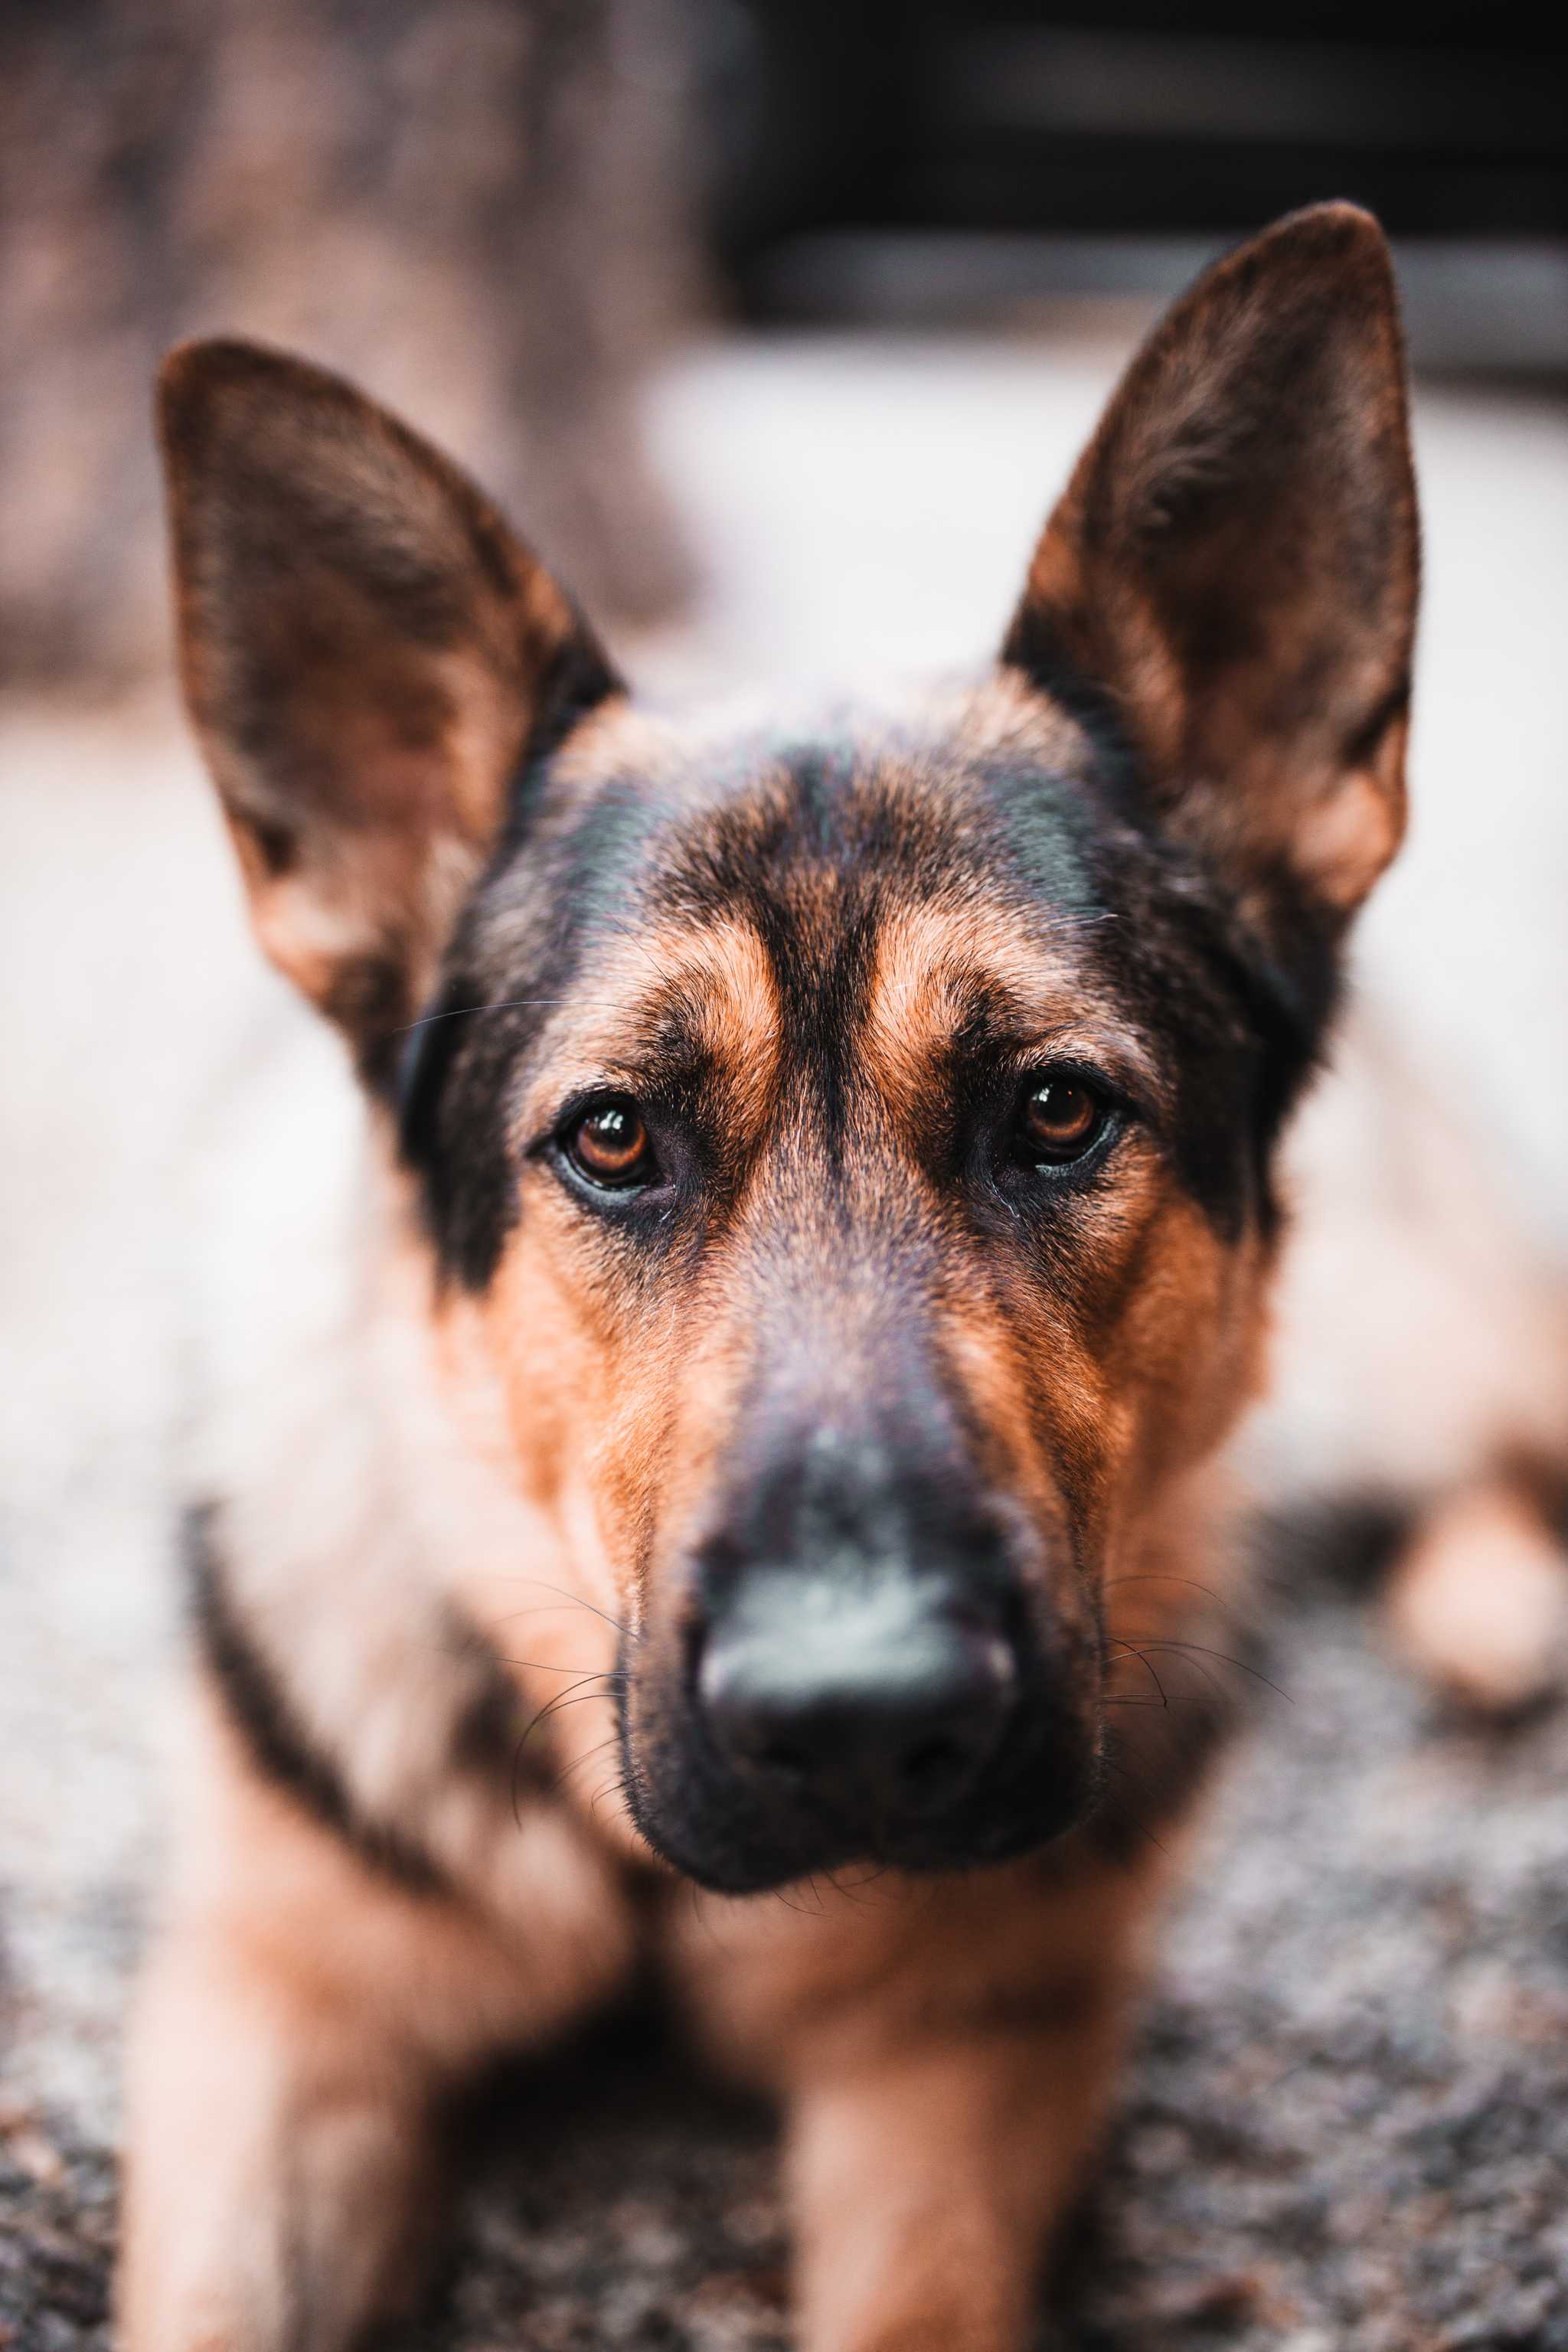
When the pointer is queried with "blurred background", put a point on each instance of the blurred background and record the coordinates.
(777, 325)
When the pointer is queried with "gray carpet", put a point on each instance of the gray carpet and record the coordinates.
(1346, 2130)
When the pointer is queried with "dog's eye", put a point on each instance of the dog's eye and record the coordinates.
(609, 1145)
(1059, 1117)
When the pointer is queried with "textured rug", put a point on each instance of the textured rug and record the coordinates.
(1345, 2128)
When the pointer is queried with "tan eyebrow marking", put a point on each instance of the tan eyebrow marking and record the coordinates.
(718, 976)
(927, 956)
(741, 1017)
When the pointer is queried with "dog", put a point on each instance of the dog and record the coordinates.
(722, 1377)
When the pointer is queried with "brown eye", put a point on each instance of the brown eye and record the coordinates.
(1059, 1118)
(609, 1145)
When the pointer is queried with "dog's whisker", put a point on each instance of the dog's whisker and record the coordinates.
(581, 1698)
(1194, 1664)
(495, 1005)
(1128, 1648)
(577, 1601)
(538, 1608)
(580, 1763)
(799, 1908)
(547, 1666)
(561, 1699)
(1163, 1576)
(1170, 1642)
(573, 1698)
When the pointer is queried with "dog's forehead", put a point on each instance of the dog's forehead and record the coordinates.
(815, 836)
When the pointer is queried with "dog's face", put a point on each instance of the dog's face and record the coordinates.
(852, 1145)
(870, 1147)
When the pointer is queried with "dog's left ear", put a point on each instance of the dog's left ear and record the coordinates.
(370, 656)
(1233, 569)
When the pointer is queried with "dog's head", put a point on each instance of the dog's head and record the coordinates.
(853, 1147)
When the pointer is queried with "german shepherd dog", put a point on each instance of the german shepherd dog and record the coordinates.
(738, 1406)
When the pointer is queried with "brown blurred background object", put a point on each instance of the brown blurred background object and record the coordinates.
(482, 210)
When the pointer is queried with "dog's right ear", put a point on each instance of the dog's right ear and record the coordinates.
(369, 656)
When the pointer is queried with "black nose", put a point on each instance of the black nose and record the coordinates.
(874, 1700)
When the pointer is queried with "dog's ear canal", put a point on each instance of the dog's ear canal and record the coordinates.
(369, 657)
(1231, 574)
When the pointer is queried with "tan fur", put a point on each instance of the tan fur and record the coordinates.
(924, 956)
(298, 2025)
(946, 2055)
(720, 972)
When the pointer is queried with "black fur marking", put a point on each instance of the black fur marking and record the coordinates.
(260, 1712)
(813, 863)
(279, 844)
(367, 998)
(1052, 2008)
(1286, 986)
(576, 680)
(1344, 1545)
(1367, 738)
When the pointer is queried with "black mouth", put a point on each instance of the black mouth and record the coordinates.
(1044, 1786)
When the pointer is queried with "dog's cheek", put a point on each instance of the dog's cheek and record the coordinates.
(1147, 1338)
(572, 1362)
(1051, 1377)
(616, 1410)
(1186, 1353)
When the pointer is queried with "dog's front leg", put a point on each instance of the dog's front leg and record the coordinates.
(302, 2017)
(945, 2052)
(280, 2157)
(926, 2184)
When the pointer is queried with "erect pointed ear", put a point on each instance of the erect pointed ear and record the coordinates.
(369, 656)
(1233, 569)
